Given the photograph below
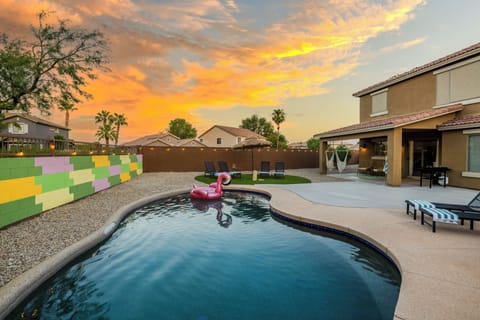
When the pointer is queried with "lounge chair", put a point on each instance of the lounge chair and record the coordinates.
(279, 169)
(471, 211)
(223, 166)
(264, 168)
(210, 169)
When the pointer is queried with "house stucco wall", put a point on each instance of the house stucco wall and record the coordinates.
(31, 185)
(416, 94)
(454, 156)
(210, 138)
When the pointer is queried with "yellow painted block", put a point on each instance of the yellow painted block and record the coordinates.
(15, 189)
(101, 161)
(82, 176)
(133, 166)
(54, 199)
(125, 176)
(125, 159)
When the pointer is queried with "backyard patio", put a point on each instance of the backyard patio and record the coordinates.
(440, 276)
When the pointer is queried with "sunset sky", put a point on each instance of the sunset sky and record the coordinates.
(220, 61)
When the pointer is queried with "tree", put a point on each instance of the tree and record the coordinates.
(118, 120)
(106, 132)
(104, 117)
(258, 125)
(278, 140)
(182, 129)
(67, 107)
(52, 69)
(313, 143)
(278, 116)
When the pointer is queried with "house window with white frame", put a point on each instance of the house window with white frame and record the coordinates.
(219, 140)
(473, 153)
(18, 128)
(379, 103)
(459, 83)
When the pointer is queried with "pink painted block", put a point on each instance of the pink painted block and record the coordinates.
(101, 184)
(54, 164)
(115, 170)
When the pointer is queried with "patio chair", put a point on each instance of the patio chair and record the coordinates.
(279, 169)
(264, 168)
(471, 211)
(223, 166)
(210, 169)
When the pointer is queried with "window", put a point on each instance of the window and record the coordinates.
(458, 83)
(239, 139)
(474, 153)
(379, 103)
(219, 140)
(18, 128)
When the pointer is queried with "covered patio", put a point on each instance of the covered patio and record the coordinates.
(406, 143)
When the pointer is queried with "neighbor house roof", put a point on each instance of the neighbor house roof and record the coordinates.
(160, 140)
(467, 122)
(237, 132)
(34, 119)
(390, 123)
(436, 64)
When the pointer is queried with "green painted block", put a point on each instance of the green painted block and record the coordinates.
(17, 210)
(125, 167)
(140, 165)
(114, 160)
(22, 162)
(4, 173)
(5, 163)
(101, 173)
(82, 162)
(133, 158)
(82, 190)
(35, 171)
(133, 173)
(19, 172)
(53, 181)
(114, 180)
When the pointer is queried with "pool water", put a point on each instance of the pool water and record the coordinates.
(230, 259)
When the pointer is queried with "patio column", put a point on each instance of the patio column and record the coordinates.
(394, 157)
(321, 154)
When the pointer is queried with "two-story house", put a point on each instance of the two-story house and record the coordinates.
(226, 137)
(23, 125)
(428, 116)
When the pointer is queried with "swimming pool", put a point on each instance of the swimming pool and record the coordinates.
(178, 259)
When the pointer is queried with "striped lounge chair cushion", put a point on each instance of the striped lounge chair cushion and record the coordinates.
(442, 215)
(421, 204)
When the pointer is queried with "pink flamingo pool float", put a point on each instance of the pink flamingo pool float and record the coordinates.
(213, 191)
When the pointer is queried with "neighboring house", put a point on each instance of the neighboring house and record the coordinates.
(428, 116)
(297, 145)
(226, 137)
(163, 139)
(24, 125)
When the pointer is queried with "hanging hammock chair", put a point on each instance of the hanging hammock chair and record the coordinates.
(330, 160)
(341, 164)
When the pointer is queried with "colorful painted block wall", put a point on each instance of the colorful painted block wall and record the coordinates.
(31, 185)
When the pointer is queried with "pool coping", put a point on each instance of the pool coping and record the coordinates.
(416, 299)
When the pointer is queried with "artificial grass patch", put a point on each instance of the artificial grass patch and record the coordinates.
(247, 179)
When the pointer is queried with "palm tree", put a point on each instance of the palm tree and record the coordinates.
(119, 120)
(67, 107)
(104, 117)
(278, 116)
(106, 132)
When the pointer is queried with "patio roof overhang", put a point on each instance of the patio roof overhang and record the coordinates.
(389, 123)
(468, 122)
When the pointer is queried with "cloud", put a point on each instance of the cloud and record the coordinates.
(172, 58)
(403, 45)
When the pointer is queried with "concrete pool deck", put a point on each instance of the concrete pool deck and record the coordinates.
(440, 274)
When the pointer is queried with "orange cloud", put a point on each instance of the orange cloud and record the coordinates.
(171, 59)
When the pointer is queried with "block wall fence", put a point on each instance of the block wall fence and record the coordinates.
(31, 185)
